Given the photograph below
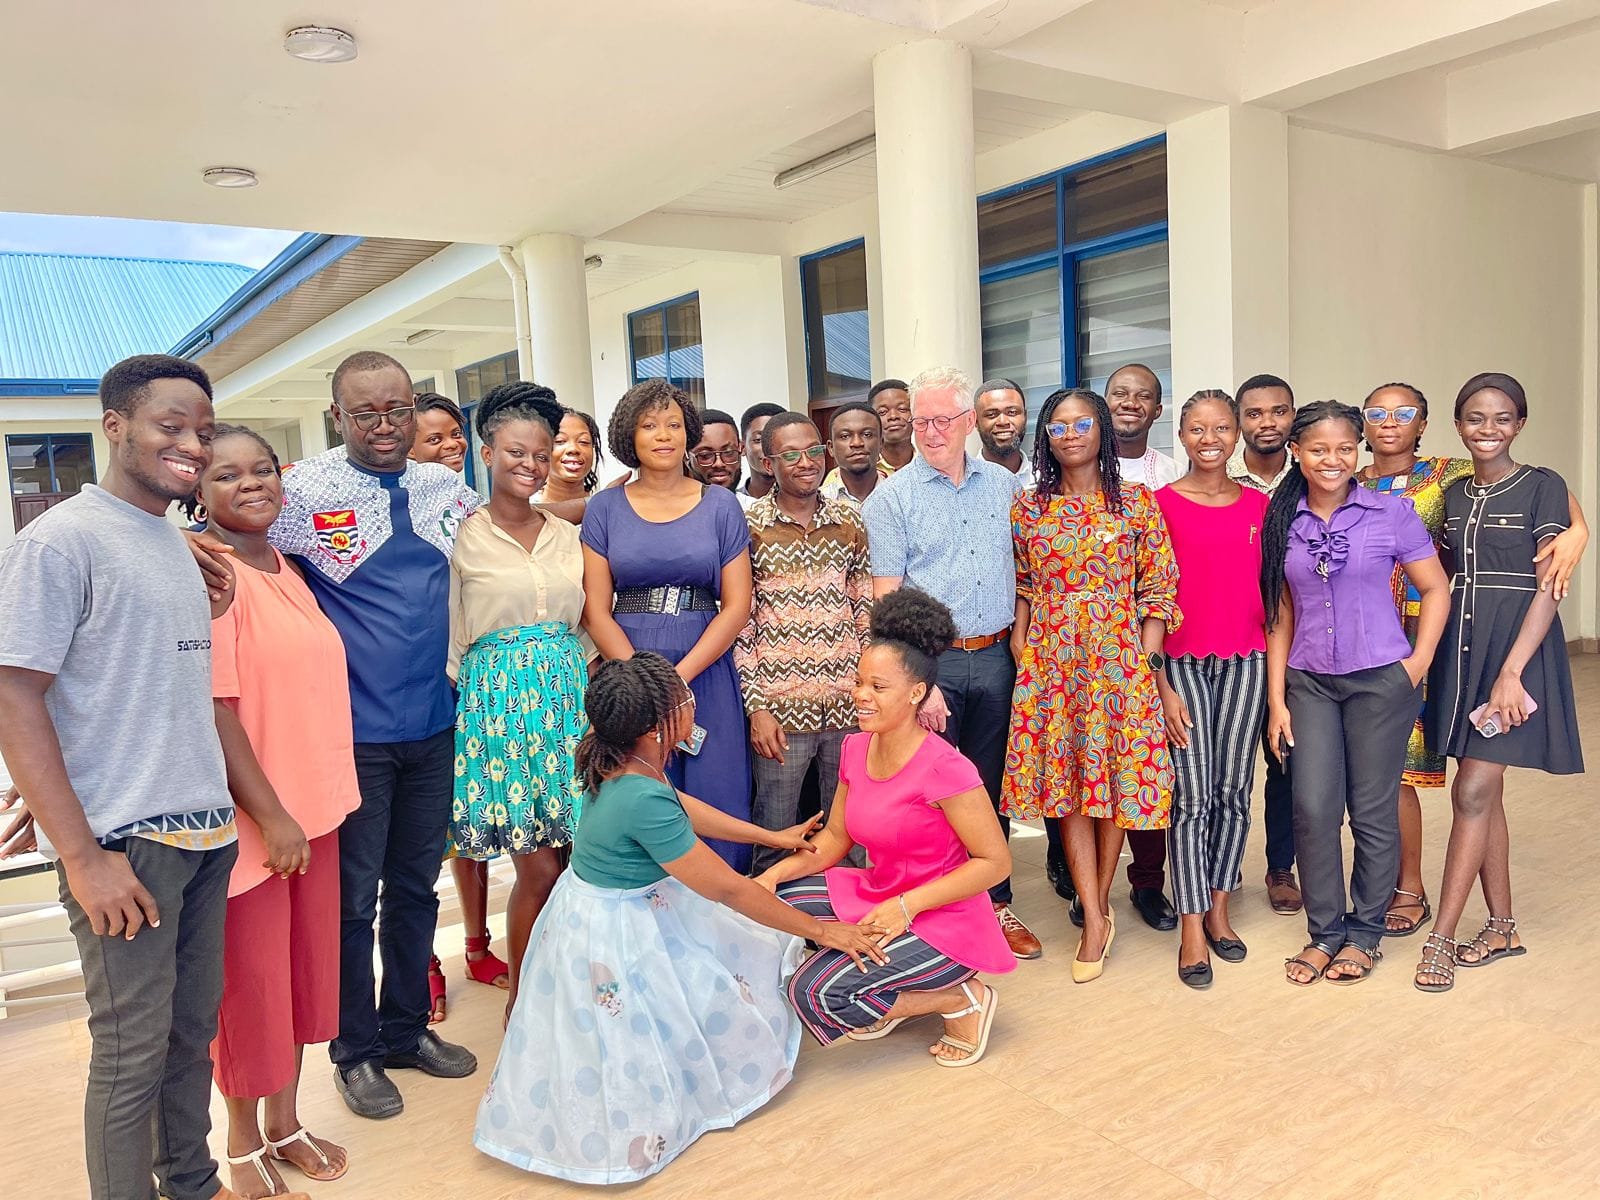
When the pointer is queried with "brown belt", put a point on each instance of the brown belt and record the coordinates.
(980, 643)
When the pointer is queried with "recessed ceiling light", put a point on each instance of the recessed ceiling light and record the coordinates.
(229, 177)
(320, 44)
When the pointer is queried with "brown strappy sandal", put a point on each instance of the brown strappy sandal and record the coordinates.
(1362, 969)
(1408, 926)
(1439, 960)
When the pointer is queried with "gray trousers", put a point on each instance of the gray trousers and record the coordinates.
(777, 785)
(1350, 734)
(1212, 778)
(152, 1015)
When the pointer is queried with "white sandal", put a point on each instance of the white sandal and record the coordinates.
(300, 1135)
(256, 1158)
(973, 1051)
(873, 1033)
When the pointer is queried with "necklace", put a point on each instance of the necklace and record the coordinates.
(656, 771)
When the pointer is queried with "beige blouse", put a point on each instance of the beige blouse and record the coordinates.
(496, 584)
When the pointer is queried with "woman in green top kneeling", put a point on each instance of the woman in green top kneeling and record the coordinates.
(651, 1006)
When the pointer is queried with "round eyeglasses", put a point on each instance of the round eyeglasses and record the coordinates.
(942, 424)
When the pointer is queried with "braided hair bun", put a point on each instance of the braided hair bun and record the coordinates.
(917, 627)
(517, 401)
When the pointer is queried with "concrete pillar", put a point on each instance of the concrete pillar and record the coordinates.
(1586, 600)
(1228, 230)
(927, 208)
(558, 308)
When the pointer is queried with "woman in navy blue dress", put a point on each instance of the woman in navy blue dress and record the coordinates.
(667, 568)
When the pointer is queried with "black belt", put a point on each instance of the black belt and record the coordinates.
(670, 600)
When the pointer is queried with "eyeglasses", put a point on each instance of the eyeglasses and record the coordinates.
(791, 457)
(708, 456)
(1081, 427)
(1402, 416)
(397, 417)
(942, 424)
(686, 702)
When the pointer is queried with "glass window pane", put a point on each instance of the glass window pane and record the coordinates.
(838, 334)
(28, 461)
(1116, 196)
(73, 460)
(1022, 334)
(1124, 316)
(649, 343)
(685, 360)
(1017, 226)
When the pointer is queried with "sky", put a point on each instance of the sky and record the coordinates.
(141, 239)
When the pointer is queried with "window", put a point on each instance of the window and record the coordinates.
(45, 469)
(833, 289)
(1073, 277)
(430, 384)
(472, 384)
(664, 343)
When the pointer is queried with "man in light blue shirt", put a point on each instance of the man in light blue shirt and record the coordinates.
(942, 524)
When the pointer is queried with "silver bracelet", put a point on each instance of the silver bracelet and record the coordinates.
(904, 911)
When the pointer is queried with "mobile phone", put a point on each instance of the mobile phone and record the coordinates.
(1488, 723)
(695, 740)
(1283, 751)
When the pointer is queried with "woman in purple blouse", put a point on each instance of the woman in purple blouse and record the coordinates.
(1343, 683)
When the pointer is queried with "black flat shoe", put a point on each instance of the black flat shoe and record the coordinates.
(1155, 908)
(1227, 949)
(1197, 976)
(368, 1092)
(435, 1056)
(1075, 912)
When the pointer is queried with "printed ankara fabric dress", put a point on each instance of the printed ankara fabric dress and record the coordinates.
(521, 674)
(1087, 732)
(1424, 485)
(646, 1015)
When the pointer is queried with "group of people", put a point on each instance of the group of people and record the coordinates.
(249, 746)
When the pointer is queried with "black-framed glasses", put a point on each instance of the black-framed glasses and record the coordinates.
(942, 424)
(1402, 416)
(790, 458)
(706, 456)
(397, 417)
(1081, 427)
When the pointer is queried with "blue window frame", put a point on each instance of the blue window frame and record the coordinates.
(1073, 276)
(664, 343)
(833, 293)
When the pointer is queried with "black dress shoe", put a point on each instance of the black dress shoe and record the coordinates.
(367, 1091)
(1055, 870)
(1076, 911)
(1155, 908)
(435, 1056)
(1227, 949)
(1197, 976)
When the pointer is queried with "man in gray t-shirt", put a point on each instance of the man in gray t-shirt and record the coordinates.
(106, 724)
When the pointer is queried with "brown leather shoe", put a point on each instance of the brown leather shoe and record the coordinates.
(1018, 936)
(1283, 893)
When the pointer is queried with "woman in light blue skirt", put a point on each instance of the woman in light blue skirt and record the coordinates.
(652, 1005)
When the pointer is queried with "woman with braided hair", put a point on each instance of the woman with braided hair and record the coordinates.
(1344, 684)
(653, 989)
(516, 599)
(574, 471)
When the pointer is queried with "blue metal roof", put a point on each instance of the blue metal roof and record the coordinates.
(65, 318)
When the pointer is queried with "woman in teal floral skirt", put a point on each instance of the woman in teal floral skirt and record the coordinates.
(515, 602)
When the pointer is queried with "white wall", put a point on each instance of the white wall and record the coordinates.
(1429, 269)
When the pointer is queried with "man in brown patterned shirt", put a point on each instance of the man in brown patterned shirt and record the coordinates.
(797, 657)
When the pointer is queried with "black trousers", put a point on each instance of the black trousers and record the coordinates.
(977, 685)
(390, 850)
(1279, 808)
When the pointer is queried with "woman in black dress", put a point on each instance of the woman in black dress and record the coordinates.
(1502, 681)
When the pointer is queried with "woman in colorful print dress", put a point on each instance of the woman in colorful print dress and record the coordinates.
(1396, 416)
(1096, 592)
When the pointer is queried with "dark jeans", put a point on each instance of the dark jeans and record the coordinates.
(152, 1014)
(977, 687)
(394, 843)
(1279, 808)
(1350, 735)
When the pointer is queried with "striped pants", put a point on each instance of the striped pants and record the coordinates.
(1213, 777)
(833, 996)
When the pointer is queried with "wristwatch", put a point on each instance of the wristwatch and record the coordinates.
(1156, 661)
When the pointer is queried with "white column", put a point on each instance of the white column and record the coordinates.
(558, 307)
(927, 208)
(1228, 229)
(1586, 601)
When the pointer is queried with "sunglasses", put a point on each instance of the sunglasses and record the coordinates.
(399, 418)
(791, 457)
(942, 424)
(1081, 427)
(729, 456)
(1402, 416)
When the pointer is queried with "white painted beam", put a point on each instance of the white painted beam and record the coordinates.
(1525, 97)
(993, 71)
(987, 24)
(666, 235)
(466, 314)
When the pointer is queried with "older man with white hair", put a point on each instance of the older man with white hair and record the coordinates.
(942, 523)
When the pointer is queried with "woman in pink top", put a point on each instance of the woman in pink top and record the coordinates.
(282, 699)
(1214, 687)
(920, 811)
